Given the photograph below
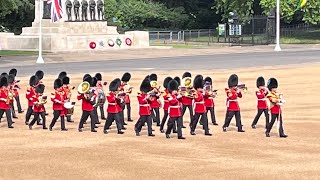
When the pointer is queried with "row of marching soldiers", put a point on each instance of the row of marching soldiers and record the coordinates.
(197, 95)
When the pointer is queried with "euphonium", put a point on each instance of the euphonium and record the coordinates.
(84, 88)
(186, 87)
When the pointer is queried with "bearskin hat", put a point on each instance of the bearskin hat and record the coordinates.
(98, 76)
(57, 84)
(13, 71)
(153, 77)
(11, 78)
(126, 77)
(33, 80)
(62, 75)
(40, 74)
(85, 76)
(66, 80)
(177, 79)
(186, 74)
(272, 83)
(260, 82)
(198, 82)
(173, 85)
(166, 82)
(208, 79)
(147, 77)
(88, 79)
(93, 82)
(113, 86)
(40, 88)
(233, 81)
(145, 86)
(4, 75)
(3, 81)
(118, 81)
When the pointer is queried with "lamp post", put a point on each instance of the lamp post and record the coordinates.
(278, 48)
(40, 59)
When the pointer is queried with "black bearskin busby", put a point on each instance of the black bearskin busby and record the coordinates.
(113, 86)
(93, 82)
(33, 80)
(57, 84)
(153, 77)
(260, 81)
(118, 82)
(126, 77)
(40, 74)
(40, 88)
(11, 79)
(186, 74)
(208, 79)
(166, 82)
(98, 76)
(145, 85)
(62, 75)
(198, 82)
(173, 85)
(233, 81)
(3, 81)
(66, 80)
(88, 79)
(4, 75)
(13, 71)
(177, 79)
(85, 76)
(272, 83)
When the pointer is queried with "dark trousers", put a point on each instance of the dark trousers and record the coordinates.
(204, 120)
(260, 111)
(164, 119)
(121, 116)
(84, 117)
(36, 118)
(275, 117)
(8, 114)
(142, 120)
(12, 110)
(213, 116)
(95, 114)
(101, 107)
(113, 117)
(184, 107)
(17, 98)
(171, 125)
(229, 116)
(56, 115)
(155, 114)
(128, 107)
(29, 113)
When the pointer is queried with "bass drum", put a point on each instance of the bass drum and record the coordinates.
(101, 98)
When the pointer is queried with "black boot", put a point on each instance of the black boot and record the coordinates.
(283, 136)
(267, 134)
(181, 137)
(167, 136)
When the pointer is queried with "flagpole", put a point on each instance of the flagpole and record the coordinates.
(40, 59)
(278, 48)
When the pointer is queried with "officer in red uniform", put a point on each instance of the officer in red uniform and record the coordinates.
(4, 103)
(233, 109)
(262, 102)
(31, 97)
(121, 103)
(125, 82)
(187, 101)
(11, 83)
(166, 105)
(87, 108)
(16, 88)
(199, 107)
(174, 109)
(113, 108)
(208, 100)
(100, 85)
(93, 86)
(155, 104)
(58, 101)
(67, 94)
(38, 107)
(144, 99)
(276, 102)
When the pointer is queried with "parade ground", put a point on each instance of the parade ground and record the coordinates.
(41, 154)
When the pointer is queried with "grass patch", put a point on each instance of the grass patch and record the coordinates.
(14, 53)
(181, 46)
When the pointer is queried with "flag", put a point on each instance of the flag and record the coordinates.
(301, 4)
(56, 10)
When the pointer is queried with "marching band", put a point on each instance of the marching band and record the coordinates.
(197, 95)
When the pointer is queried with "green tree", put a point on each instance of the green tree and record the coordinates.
(244, 8)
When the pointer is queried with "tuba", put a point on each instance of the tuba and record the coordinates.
(186, 88)
(84, 88)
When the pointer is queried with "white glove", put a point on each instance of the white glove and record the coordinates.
(179, 96)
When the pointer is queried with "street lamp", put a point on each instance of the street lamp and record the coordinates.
(40, 59)
(278, 48)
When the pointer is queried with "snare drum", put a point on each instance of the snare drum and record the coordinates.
(70, 108)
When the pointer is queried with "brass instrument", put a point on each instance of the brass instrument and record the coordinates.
(10, 96)
(242, 87)
(186, 88)
(42, 100)
(127, 88)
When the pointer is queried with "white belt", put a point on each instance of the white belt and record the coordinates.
(231, 100)
(173, 107)
(113, 104)
(146, 105)
(202, 102)
(166, 101)
(262, 99)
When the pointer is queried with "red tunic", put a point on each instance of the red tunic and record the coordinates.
(262, 101)
(58, 101)
(38, 108)
(199, 106)
(186, 100)
(166, 101)
(144, 106)
(3, 99)
(86, 105)
(232, 100)
(174, 106)
(274, 107)
(155, 102)
(126, 97)
(208, 100)
(30, 95)
(16, 88)
(112, 103)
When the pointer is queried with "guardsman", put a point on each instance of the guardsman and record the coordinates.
(199, 107)
(5, 100)
(262, 105)
(233, 108)
(93, 87)
(121, 103)
(31, 97)
(113, 108)
(165, 95)
(276, 102)
(208, 99)
(16, 89)
(145, 97)
(100, 85)
(11, 83)
(67, 95)
(38, 107)
(187, 101)
(174, 109)
(128, 90)
(58, 102)
(155, 104)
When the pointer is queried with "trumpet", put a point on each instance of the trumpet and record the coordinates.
(243, 87)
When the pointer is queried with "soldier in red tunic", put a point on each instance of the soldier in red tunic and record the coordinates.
(31, 97)
(155, 104)
(187, 101)
(262, 102)
(144, 99)
(38, 108)
(174, 109)
(199, 107)
(276, 102)
(4, 100)
(100, 88)
(113, 107)
(208, 100)
(128, 90)
(67, 95)
(233, 109)
(58, 102)
(16, 89)
(165, 95)
(11, 83)
(121, 103)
